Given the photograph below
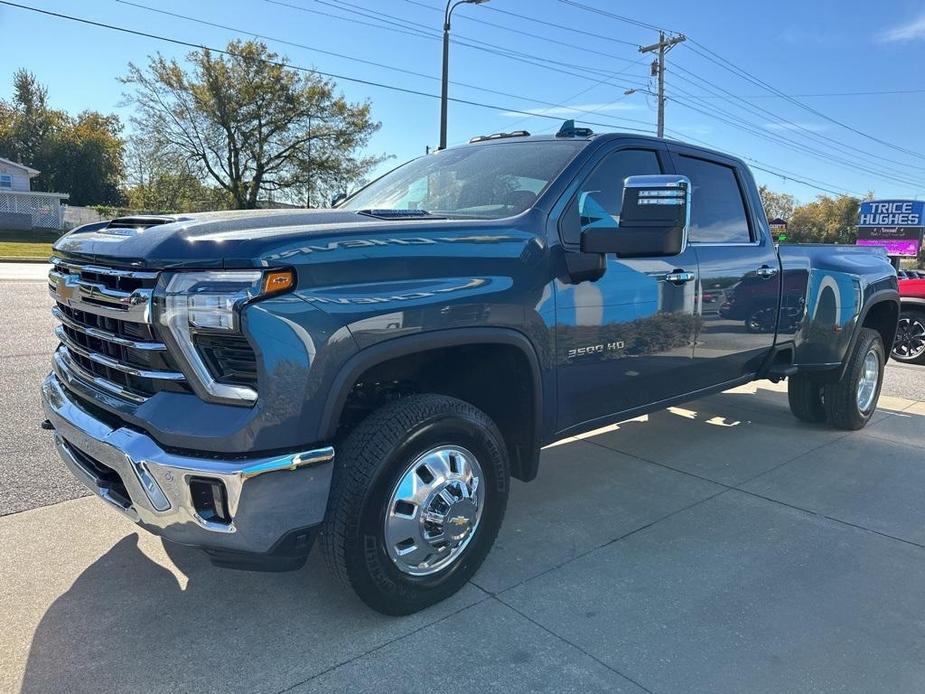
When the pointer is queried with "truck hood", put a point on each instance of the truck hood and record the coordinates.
(212, 239)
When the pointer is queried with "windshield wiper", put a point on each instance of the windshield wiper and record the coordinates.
(398, 214)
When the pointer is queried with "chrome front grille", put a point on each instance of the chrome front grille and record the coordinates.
(106, 332)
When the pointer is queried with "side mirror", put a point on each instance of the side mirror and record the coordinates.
(653, 221)
(338, 198)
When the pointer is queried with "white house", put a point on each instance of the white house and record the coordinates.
(20, 206)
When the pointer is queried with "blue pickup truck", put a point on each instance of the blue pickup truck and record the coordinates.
(373, 375)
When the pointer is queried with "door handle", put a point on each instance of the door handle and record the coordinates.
(766, 272)
(679, 276)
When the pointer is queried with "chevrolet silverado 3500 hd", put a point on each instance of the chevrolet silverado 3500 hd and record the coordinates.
(373, 375)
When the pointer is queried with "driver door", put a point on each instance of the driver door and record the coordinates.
(624, 341)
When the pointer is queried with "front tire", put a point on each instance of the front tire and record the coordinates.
(851, 402)
(419, 491)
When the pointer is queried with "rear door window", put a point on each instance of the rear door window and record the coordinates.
(717, 205)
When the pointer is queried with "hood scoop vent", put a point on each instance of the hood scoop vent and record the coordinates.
(127, 225)
(141, 222)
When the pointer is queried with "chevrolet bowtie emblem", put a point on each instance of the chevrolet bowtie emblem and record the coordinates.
(459, 520)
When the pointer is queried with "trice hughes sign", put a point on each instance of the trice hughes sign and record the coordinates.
(896, 225)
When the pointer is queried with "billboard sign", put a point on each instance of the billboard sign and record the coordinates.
(778, 229)
(896, 225)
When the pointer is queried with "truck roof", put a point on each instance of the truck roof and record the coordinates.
(498, 138)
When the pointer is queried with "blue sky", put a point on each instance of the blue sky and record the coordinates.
(798, 48)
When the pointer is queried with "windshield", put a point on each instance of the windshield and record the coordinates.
(481, 182)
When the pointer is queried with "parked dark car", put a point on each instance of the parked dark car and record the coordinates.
(435, 331)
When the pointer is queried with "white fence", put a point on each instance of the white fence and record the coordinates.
(75, 216)
(44, 208)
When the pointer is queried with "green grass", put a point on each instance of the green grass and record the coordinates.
(26, 245)
(25, 250)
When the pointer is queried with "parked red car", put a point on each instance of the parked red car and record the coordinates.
(909, 346)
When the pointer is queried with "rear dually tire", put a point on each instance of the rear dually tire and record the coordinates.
(804, 392)
(851, 401)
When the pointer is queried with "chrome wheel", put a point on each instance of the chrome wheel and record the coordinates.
(910, 338)
(867, 383)
(434, 510)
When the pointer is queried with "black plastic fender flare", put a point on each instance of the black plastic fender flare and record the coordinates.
(407, 345)
(880, 297)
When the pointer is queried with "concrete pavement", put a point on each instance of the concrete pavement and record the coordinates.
(719, 547)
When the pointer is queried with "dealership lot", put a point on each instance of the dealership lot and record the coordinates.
(717, 547)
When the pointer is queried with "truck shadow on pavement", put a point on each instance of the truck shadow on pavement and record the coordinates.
(127, 624)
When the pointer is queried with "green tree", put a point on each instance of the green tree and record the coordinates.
(825, 220)
(776, 205)
(89, 159)
(250, 124)
(29, 128)
(80, 156)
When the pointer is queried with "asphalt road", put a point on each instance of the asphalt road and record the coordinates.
(30, 473)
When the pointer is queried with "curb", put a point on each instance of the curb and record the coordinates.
(14, 259)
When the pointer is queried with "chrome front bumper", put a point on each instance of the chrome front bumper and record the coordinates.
(267, 498)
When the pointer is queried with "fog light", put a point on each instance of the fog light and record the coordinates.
(209, 499)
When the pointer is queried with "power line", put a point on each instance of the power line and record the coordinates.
(820, 94)
(791, 177)
(761, 166)
(559, 27)
(714, 57)
(796, 146)
(528, 34)
(407, 27)
(588, 89)
(783, 173)
(798, 128)
(390, 87)
(618, 17)
(204, 22)
(300, 68)
(748, 127)
(396, 24)
(709, 54)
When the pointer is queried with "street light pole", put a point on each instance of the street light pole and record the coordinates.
(444, 99)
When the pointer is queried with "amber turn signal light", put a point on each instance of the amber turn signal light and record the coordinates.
(278, 281)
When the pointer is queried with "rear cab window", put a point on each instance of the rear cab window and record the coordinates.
(718, 211)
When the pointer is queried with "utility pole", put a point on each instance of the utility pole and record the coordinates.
(658, 67)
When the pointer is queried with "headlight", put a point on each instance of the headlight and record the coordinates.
(210, 302)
